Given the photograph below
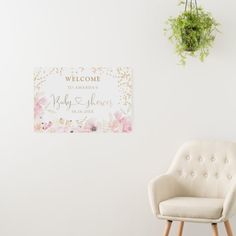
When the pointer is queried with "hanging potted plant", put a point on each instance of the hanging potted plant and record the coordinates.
(193, 31)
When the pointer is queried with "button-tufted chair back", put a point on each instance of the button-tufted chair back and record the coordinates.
(205, 168)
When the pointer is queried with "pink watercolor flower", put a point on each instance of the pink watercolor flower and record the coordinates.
(91, 126)
(46, 125)
(116, 126)
(127, 126)
(42, 126)
(121, 123)
(39, 102)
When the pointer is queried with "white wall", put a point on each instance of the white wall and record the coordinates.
(96, 185)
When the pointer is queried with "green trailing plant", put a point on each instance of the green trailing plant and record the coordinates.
(193, 31)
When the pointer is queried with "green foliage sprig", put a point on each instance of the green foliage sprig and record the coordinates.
(193, 33)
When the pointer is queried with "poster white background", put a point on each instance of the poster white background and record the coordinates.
(96, 185)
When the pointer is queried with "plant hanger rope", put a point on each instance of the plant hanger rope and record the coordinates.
(191, 5)
(196, 5)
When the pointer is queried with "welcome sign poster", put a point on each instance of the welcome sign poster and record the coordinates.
(77, 100)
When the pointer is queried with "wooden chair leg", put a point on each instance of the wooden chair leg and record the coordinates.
(167, 228)
(215, 229)
(228, 228)
(180, 229)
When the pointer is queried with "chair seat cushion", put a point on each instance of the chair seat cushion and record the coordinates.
(192, 207)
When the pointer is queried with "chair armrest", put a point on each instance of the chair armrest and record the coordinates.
(229, 206)
(160, 189)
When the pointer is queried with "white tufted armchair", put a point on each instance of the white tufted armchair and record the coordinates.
(200, 186)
